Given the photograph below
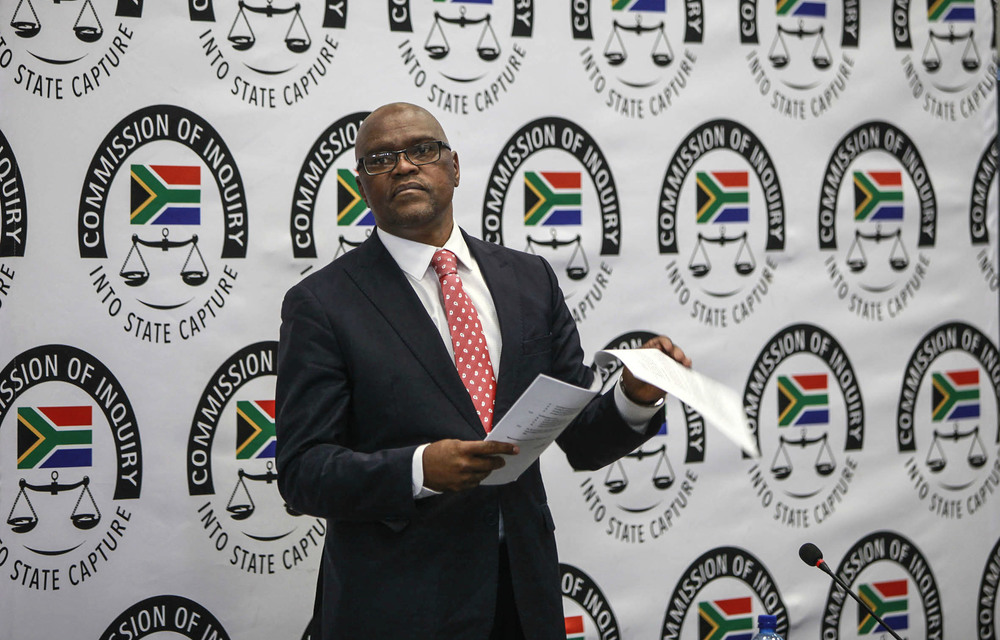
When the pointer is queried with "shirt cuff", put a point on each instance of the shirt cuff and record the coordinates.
(419, 490)
(635, 415)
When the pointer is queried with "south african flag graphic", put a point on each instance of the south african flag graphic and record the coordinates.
(574, 627)
(803, 400)
(887, 599)
(165, 194)
(351, 209)
(657, 6)
(552, 198)
(730, 619)
(54, 437)
(878, 196)
(951, 10)
(255, 434)
(955, 395)
(801, 8)
(723, 197)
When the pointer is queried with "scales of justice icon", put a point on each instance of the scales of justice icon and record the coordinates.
(87, 27)
(242, 37)
(824, 465)
(136, 272)
(779, 53)
(344, 244)
(857, 259)
(616, 480)
(437, 47)
(578, 267)
(661, 53)
(241, 504)
(743, 263)
(23, 517)
(976, 456)
(932, 55)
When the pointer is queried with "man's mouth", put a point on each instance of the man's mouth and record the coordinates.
(407, 187)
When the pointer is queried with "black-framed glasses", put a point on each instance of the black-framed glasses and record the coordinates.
(418, 154)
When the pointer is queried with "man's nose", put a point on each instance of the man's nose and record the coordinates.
(403, 165)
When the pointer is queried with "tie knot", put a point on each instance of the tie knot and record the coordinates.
(444, 262)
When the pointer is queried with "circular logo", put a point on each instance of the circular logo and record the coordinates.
(245, 518)
(643, 64)
(946, 420)
(463, 57)
(719, 229)
(982, 200)
(803, 384)
(986, 613)
(577, 228)
(587, 612)
(728, 587)
(801, 56)
(643, 495)
(13, 216)
(949, 64)
(878, 260)
(166, 614)
(155, 268)
(331, 152)
(893, 576)
(71, 439)
(66, 51)
(270, 54)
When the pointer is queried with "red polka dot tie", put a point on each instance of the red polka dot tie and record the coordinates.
(472, 356)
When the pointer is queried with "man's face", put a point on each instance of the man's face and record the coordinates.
(409, 201)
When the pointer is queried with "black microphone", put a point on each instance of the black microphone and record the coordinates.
(813, 557)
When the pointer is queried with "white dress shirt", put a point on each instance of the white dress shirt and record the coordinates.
(414, 258)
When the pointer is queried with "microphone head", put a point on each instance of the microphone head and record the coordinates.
(810, 554)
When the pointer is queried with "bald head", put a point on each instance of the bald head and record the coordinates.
(390, 117)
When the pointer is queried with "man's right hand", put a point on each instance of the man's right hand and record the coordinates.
(457, 465)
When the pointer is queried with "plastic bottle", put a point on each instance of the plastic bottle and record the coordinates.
(766, 628)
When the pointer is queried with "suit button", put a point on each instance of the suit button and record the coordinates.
(490, 517)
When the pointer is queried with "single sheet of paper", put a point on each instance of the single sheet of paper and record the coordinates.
(717, 403)
(535, 421)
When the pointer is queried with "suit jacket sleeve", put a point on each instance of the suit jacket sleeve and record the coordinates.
(321, 471)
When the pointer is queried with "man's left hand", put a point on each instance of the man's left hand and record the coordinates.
(642, 393)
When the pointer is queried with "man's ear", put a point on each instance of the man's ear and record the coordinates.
(458, 173)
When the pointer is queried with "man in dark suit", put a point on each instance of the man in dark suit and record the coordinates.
(378, 434)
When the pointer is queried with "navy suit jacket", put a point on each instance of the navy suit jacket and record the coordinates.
(363, 379)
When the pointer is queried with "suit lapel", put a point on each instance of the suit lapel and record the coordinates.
(381, 280)
(503, 286)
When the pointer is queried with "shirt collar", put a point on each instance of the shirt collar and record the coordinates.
(415, 257)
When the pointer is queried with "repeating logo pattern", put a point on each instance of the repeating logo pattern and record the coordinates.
(570, 224)
(332, 150)
(887, 229)
(66, 51)
(946, 420)
(801, 55)
(947, 60)
(462, 56)
(71, 438)
(245, 518)
(150, 238)
(891, 575)
(644, 63)
(989, 586)
(728, 587)
(13, 216)
(720, 229)
(808, 460)
(269, 54)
